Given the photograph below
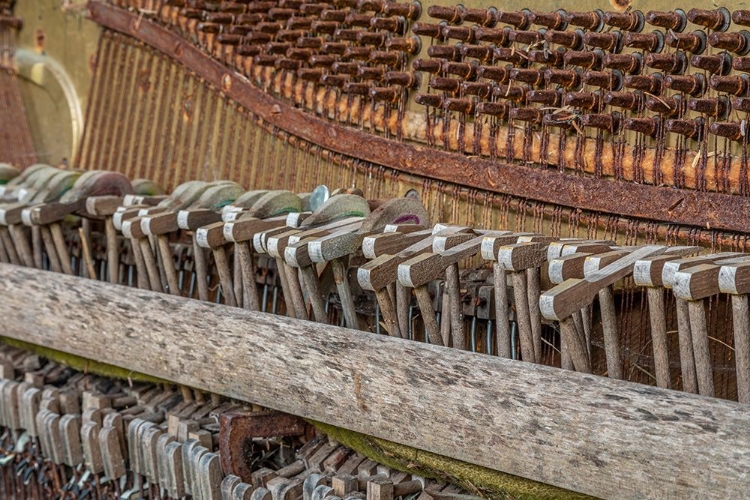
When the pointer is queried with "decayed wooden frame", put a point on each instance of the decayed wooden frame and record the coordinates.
(603, 437)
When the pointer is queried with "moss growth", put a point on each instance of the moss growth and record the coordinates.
(478, 480)
(82, 364)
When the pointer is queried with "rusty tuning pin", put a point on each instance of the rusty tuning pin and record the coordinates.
(734, 131)
(338, 16)
(452, 85)
(429, 30)
(357, 88)
(460, 105)
(591, 20)
(560, 119)
(410, 11)
(650, 42)
(588, 59)
(451, 14)
(694, 85)
(479, 89)
(509, 92)
(328, 27)
(525, 37)
(650, 84)
(248, 50)
(732, 84)
(692, 129)
(694, 42)
(496, 109)
(626, 21)
(646, 126)
(402, 79)
(361, 20)
(429, 100)
(608, 80)
(551, 20)
(387, 58)
(480, 52)
(741, 17)
(669, 63)
(450, 52)
(567, 78)
(570, 39)
(675, 20)
(550, 58)
(499, 36)
(376, 6)
(462, 33)
(611, 41)
(741, 64)
(741, 104)
(460, 69)
(549, 98)
(719, 64)
(609, 122)
(389, 24)
(512, 56)
(495, 73)
(428, 65)
(533, 77)
(370, 73)
(310, 42)
(715, 107)
(530, 115)
(411, 45)
(632, 101)
(665, 105)
(583, 100)
(322, 60)
(336, 81)
(310, 74)
(627, 63)
(312, 9)
(482, 17)
(717, 19)
(385, 94)
(374, 39)
(737, 41)
(521, 20)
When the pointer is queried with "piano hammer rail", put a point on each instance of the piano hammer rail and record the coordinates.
(595, 435)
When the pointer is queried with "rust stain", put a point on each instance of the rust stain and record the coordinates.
(40, 38)
(621, 4)
(93, 63)
(144, 83)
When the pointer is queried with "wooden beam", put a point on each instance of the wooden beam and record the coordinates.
(603, 437)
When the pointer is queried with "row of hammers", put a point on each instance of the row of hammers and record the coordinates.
(339, 249)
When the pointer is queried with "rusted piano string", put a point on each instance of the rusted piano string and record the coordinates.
(590, 66)
(69, 433)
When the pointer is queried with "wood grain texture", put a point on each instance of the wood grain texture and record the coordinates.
(521, 418)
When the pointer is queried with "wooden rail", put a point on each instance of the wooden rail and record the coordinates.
(602, 437)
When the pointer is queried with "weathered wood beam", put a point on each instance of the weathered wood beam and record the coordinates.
(603, 437)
